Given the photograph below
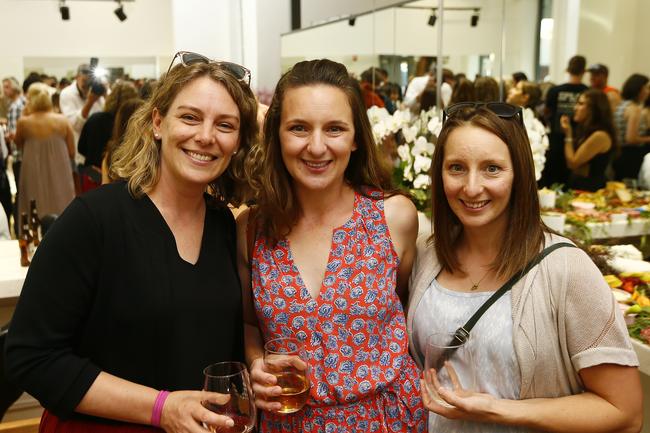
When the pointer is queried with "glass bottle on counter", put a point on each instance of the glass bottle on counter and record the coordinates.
(25, 240)
(34, 223)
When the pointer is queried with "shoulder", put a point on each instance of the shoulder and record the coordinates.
(401, 215)
(106, 198)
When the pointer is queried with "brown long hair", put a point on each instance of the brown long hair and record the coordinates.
(525, 234)
(599, 117)
(137, 160)
(269, 179)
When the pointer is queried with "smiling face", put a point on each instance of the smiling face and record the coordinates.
(199, 134)
(477, 176)
(316, 136)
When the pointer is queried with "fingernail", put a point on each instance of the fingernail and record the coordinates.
(230, 423)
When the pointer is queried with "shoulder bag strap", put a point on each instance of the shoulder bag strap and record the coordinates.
(462, 334)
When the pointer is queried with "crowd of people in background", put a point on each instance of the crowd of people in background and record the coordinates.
(58, 135)
(571, 160)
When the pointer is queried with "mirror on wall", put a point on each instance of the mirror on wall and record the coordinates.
(479, 38)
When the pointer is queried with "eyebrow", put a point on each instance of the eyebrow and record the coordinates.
(190, 107)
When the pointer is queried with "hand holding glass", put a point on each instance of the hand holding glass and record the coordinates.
(286, 359)
(231, 378)
(448, 363)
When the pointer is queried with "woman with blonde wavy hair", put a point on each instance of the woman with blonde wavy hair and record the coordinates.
(47, 142)
(134, 290)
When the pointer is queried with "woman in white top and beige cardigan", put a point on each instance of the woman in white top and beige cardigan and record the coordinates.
(565, 361)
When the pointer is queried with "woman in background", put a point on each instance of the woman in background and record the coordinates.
(122, 118)
(47, 143)
(589, 152)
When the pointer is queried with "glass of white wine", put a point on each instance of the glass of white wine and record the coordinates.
(232, 379)
(286, 359)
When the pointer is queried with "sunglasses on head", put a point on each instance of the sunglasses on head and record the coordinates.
(501, 109)
(188, 58)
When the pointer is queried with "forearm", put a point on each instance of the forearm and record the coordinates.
(253, 342)
(586, 412)
(118, 399)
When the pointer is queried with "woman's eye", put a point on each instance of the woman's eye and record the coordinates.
(455, 168)
(493, 169)
(188, 117)
(226, 126)
(297, 128)
(335, 129)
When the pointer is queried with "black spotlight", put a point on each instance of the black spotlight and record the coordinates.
(119, 12)
(432, 19)
(65, 11)
(352, 21)
(474, 20)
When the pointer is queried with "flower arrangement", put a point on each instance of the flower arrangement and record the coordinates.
(416, 136)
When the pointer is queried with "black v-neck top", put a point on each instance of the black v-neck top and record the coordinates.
(108, 291)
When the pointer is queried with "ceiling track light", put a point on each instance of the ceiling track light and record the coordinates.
(352, 21)
(119, 12)
(432, 19)
(64, 10)
(474, 20)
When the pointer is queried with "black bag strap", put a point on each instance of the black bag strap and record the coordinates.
(462, 334)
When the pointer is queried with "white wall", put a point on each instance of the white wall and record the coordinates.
(616, 34)
(405, 32)
(273, 19)
(317, 11)
(33, 28)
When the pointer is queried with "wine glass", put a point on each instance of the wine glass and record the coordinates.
(452, 361)
(231, 378)
(286, 359)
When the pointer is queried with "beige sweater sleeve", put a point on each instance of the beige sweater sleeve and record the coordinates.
(595, 329)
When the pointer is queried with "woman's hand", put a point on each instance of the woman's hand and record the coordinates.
(565, 123)
(184, 412)
(264, 386)
(457, 403)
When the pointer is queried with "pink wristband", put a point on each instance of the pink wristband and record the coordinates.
(156, 413)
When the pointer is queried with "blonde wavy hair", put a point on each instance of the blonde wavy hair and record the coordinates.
(137, 160)
(38, 98)
(121, 92)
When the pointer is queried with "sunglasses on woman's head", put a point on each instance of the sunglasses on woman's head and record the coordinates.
(187, 58)
(501, 109)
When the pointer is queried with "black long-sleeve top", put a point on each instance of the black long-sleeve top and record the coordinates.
(108, 291)
(94, 137)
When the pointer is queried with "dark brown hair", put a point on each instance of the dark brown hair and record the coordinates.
(525, 234)
(486, 89)
(599, 117)
(463, 92)
(122, 118)
(577, 65)
(269, 179)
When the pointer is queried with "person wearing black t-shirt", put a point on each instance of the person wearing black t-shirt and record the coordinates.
(134, 289)
(560, 101)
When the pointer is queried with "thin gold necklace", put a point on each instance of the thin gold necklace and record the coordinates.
(475, 285)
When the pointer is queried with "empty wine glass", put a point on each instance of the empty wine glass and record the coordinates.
(286, 359)
(231, 378)
(452, 364)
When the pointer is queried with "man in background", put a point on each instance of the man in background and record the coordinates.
(598, 74)
(78, 101)
(561, 100)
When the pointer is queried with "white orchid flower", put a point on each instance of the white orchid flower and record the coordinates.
(434, 126)
(422, 147)
(404, 152)
(410, 133)
(421, 181)
(421, 164)
(408, 172)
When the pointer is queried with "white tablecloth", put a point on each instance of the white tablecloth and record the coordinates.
(12, 275)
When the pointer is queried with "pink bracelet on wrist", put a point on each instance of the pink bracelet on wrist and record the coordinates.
(156, 413)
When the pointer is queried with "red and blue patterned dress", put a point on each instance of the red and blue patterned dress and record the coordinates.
(362, 377)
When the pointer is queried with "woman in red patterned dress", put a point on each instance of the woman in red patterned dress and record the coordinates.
(331, 250)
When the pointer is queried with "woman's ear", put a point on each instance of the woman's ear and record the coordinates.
(156, 119)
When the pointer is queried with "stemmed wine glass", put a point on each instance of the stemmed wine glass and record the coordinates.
(231, 378)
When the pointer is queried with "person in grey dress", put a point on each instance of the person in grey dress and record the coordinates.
(553, 353)
(47, 144)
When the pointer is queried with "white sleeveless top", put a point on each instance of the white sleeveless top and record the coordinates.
(491, 346)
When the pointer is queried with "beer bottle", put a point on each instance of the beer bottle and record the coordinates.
(24, 240)
(34, 223)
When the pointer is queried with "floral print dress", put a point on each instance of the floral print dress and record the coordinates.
(362, 377)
